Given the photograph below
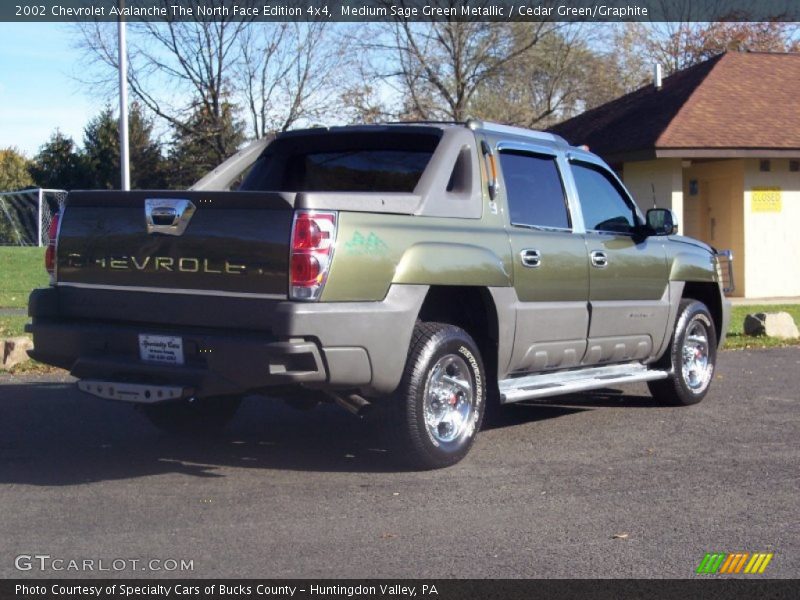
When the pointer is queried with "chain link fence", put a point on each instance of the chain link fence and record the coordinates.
(25, 216)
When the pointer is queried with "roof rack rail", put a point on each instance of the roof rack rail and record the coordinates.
(512, 130)
(426, 122)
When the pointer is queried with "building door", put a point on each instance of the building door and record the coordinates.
(720, 230)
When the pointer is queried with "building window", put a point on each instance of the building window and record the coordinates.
(764, 166)
(794, 166)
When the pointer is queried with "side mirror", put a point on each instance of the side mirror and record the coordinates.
(662, 221)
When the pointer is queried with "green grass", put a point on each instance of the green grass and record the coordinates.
(12, 326)
(21, 270)
(736, 339)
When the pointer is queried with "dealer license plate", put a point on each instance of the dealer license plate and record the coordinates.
(163, 349)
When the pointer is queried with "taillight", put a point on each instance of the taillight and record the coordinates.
(50, 252)
(313, 237)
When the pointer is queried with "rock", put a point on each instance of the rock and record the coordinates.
(15, 351)
(779, 325)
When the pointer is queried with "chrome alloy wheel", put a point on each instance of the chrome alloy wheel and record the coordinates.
(449, 399)
(695, 365)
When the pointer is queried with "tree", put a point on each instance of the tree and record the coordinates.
(362, 104)
(277, 74)
(174, 60)
(59, 165)
(14, 173)
(519, 73)
(287, 73)
(441, 65)
(148, 165)
(545, 83)
(715, 38)
(628, 65)
(101, 153)
(191, 156)
(678, 45)
(565, 72)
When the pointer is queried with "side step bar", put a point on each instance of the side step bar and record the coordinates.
(133, 392)
(543, 385)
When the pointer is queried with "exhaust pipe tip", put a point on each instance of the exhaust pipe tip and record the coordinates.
(353, 403)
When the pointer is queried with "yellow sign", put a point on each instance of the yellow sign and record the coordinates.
(766, 199)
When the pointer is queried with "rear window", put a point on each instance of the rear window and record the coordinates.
(356, 170)
(374, 162)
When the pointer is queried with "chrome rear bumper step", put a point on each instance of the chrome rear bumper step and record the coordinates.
(517, 389)
(133, 392)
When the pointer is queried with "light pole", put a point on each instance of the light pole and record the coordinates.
(125, 172)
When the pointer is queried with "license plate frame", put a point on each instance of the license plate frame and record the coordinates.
(161, 349)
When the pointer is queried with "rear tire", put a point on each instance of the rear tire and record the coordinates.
(691, 357)
(203, 415)
(435, 414)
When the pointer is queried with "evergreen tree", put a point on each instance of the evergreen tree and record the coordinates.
(102, 155)
(101, 151)
(203, 144)
(59, 165)
(148, 165)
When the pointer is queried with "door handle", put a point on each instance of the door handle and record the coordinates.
(530, 258)
(599, 259)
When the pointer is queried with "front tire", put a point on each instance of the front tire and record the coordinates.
(436, 412)
(692, 357)
(202, 415)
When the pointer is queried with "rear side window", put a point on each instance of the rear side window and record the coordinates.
(604, 206)
(375, 161)
(534, 190)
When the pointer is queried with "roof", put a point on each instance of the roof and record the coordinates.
(474, 124)
(735, 104)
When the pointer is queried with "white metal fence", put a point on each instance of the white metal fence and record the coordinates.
(25, 216)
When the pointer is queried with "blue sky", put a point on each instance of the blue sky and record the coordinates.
(38, 88)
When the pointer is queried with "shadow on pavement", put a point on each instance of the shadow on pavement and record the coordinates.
(608, 397)
(50, 434)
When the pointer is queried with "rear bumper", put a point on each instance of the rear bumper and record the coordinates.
(324, 345)
(215, 364)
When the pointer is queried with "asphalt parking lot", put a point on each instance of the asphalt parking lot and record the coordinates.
(312, 494)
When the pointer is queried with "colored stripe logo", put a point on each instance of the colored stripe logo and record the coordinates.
(734, 563)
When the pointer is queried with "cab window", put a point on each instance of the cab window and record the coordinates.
(604, 206)
(534, 190)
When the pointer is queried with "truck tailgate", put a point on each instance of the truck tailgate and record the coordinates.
(198, 243)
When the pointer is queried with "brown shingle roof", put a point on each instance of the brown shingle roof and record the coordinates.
(732, 101)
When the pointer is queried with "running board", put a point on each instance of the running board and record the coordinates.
(542, 385)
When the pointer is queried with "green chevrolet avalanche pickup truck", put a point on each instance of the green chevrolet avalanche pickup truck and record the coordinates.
(415, 271)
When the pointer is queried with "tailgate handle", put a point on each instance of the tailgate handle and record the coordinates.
(169, 216)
